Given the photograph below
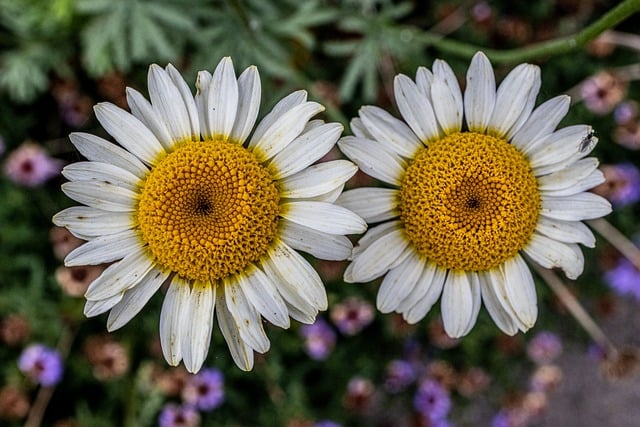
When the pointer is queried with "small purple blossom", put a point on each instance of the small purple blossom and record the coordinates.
(205, 390)
(173, 415)
(510, 418)
(319, 339)
(544, 347)
(43, 365)
(432, 400)
(625, 112)
(327, 423)
(29, 165)
(622, 186)
(399, 375)
(624, 279)
(352, 315)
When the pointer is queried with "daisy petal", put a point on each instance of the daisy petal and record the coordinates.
(558, 146)
(97, 149)
(359, 129)
(101, 195)
(515, 99)
(135, 298)
(432, 281)
(169, 104)
(317, 179)
(576, 207)
(415, 109)
(241, 353)
(446, 97)
(305, 150)
(569, 176)
(372, 204)
(457, 304)
(566, 231)
(101, 172)
(424, 80)
(92, 222)
(480, 94)
(222, 102)
(476, 297)
(594, 179)
(541, 123)
(261, 291)
(521, 290)
(323, 217)
(198, 325)
(495, 300)
(550, 253)
(249, 93)
(143, 111)
(246, 317)
(187, 99)
(388, 130)
(130, 132)
(283, 106)
(374, 159)
(104, 249)
(173, 318)
(95, 308)
(398, 283)
(321, 245)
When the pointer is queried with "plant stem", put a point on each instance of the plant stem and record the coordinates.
(618, 240)
(549, 48)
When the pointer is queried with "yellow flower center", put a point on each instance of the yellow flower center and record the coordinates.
(208, 209)
(469, 201)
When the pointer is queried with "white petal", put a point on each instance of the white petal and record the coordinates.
(457, 303)
(95, 308)
(317, 179)
(262, 293)
(566, 231)
(320, 245)
(101, 195)
(279, 135)
(120, 276)
(245, 316)
(377, 258)
(92, 222)
(374, 233)
(398, 283)
(104, 249)
(222, 102)
(167, 101)
(187, 99)
(135, 298)
(198, 325)
(550, 253)
(558, 146)
(100, 150)
(143, 110)
(241, 353)
(373, 204)
(569, 176)
(424, 80)
(101, 172)
(480, 94)
(391, 132)
(299, 275)
(323, 217)
(541, 123)
(415, 109)
(305, 150)
(358, 128)
(521, 290)
(173, 319)
(374, 159)
(495, 300)
(476, 296)
(576, 207)
(432, 281)
(515, 99)
(446, 97)
(130, 132)
(203, 86)
(594, 179)
(249, 93)
(283, 106)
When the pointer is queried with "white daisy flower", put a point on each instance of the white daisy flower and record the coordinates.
(463, 204)
(184, 200)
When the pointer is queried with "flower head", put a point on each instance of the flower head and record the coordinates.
(399, 375)
(544, 347)
(205, 390)
(173, 415)
(320, 339)
(622, 185)
(624, 278)
(462, 203)
(432, 400)
(43, 365)
(193, 200)
(352, 315)
(30, 165)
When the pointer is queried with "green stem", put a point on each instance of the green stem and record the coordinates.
(549, 48)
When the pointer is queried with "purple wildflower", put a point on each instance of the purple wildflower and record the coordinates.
(352, 315)
(173, 415)
(43, 365)
(399, 375)
(624, 278)
(204, 390)
(622, 185)
(327, 423)
(319, 339)
(432, 400)
(544, 347)
(29, 165)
